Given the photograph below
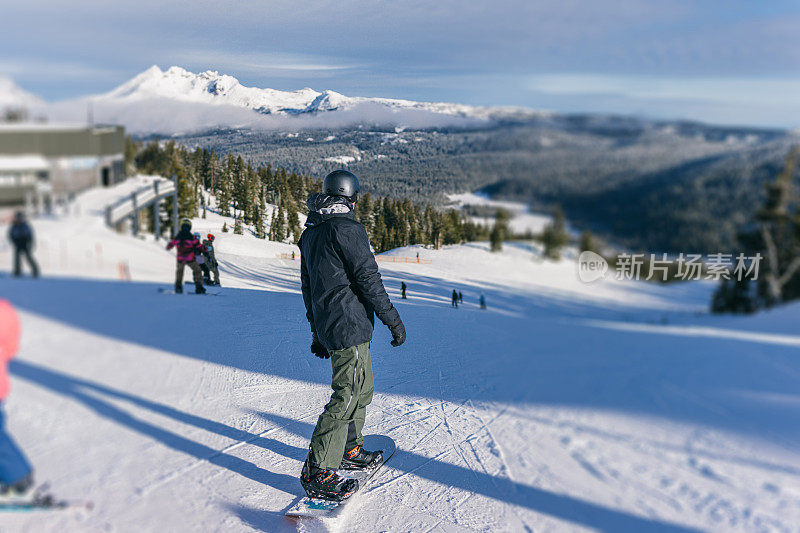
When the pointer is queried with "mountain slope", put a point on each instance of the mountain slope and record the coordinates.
(563, 406)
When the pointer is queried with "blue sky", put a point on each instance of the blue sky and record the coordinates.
(719, 61)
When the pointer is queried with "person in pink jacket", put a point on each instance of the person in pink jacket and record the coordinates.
(16, 474)
(188, 247)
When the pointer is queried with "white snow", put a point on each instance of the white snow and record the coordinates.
(522, 219)
(341, 159)
(617, 406)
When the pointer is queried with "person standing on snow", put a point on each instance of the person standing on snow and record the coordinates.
(16, 474)
(454, 299)
(403, 288)
(201, 260)
(188, 248)
(211, 258)
(21, 236)
(460, 297)
(342, 289)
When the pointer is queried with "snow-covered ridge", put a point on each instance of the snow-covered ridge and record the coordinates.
(177, 101)
(211, 87)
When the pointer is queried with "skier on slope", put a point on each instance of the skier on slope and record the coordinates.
(342, 288)
(16, 474)
(211, 258)
(188, 248)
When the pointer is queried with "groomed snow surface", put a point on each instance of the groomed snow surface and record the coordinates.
(562, 407)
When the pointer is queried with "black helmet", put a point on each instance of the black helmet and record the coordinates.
(341, 183)
(186, 224)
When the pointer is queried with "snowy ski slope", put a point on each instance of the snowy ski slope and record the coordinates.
(562, 407)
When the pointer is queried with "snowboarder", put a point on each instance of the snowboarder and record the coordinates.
(201, 259)
(188, 248)
(211, 258)
(342, 289)
(483, 302)
(454, 299)
(21, 236)
(16, 474)
(403, 289)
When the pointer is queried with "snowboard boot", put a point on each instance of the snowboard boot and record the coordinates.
(326, 484)
(199, 289)
(357, 458)
(178, 288)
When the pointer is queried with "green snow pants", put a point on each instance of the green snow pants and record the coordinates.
(343, 418)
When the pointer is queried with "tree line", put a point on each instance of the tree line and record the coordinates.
(245, 191)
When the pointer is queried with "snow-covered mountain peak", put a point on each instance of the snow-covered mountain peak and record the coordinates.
(178, 100)
(209, 87)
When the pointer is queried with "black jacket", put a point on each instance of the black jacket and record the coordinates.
(342, 287)
(21, 234)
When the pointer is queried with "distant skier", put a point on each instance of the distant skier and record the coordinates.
(454, 299)
(211, 258)
(188, 248)
(403, 289)
(460, 298)
(21, 236)
(342, 288)
(483, 302)
(16, 474)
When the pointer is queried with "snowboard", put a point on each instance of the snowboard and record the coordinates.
(319, 507)
(172, 291)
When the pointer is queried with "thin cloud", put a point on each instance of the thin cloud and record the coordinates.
(259, 61)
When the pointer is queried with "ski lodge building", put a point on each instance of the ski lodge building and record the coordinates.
(43, 163)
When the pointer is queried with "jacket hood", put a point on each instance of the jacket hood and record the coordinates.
(323, 207)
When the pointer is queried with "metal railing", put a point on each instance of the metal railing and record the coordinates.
(144, 197)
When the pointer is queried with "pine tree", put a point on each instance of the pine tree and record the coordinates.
(237, 225)
(261, 231)
(779, 225)
(223, 195)
(555, 235)
(499, 230)
(280, 225)
(224, 227)
(775, 234)
(293, 221)
(588, 243)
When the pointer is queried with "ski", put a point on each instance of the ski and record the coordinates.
(316, 507)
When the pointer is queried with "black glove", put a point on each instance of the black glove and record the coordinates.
(318, 349)
(398, 333)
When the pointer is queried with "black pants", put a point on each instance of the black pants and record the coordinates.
(20, 251)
